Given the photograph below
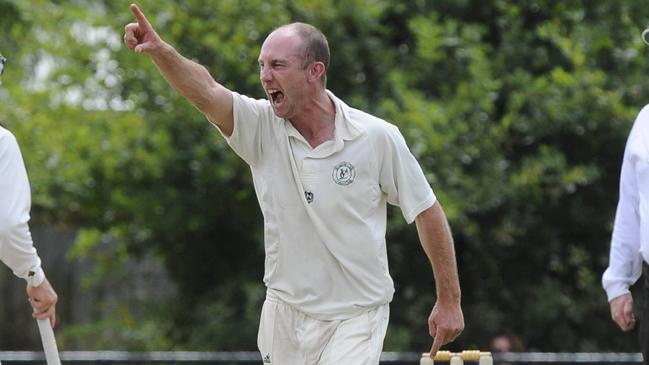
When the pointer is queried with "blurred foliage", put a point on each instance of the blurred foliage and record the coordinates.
(517, 110)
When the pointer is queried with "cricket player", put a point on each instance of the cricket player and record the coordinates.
(323, 173)
(16, 246)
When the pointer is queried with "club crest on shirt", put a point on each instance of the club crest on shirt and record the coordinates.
(344, 173)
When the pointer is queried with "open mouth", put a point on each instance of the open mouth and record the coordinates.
(276, 96)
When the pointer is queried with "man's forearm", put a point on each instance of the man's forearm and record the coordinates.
(195, 83)
(189, 78)
(437, 242)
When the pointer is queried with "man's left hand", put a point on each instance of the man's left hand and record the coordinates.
(445, 323)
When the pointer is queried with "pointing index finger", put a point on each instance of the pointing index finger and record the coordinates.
(437, 344)
(139, 15)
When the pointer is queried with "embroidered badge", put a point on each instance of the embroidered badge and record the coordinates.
(344, 173)
(309, 196)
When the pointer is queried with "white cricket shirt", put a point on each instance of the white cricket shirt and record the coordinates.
(325, 208)
(16, 247)
(630, 239)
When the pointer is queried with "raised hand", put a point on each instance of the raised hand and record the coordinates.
(189, 78)
(140, 36)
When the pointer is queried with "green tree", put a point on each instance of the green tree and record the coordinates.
(518, 112)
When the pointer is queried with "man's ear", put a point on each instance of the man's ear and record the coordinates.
(316, 71)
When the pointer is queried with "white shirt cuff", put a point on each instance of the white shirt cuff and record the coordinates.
(36, 278)
(614, 291)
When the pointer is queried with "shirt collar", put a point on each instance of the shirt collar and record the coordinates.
(346, 127)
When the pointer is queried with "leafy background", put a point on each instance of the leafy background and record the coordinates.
(517, 110)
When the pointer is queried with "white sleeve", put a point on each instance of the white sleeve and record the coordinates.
(402, 179)
(251, 117)
(16, 247)
(625, 260)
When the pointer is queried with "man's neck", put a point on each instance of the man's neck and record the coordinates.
(317, 123)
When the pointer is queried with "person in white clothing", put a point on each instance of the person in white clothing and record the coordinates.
(16, 247)
(629, 253)
(2, 66)
(323, 173)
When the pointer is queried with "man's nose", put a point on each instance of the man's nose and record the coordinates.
(265, 75)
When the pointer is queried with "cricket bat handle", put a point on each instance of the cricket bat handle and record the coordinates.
(49, 342)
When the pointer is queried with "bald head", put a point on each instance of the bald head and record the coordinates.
(314, 47)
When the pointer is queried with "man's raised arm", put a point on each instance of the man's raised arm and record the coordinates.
(190, 79)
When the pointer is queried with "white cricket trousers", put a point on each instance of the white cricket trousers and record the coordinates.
(290, 337)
